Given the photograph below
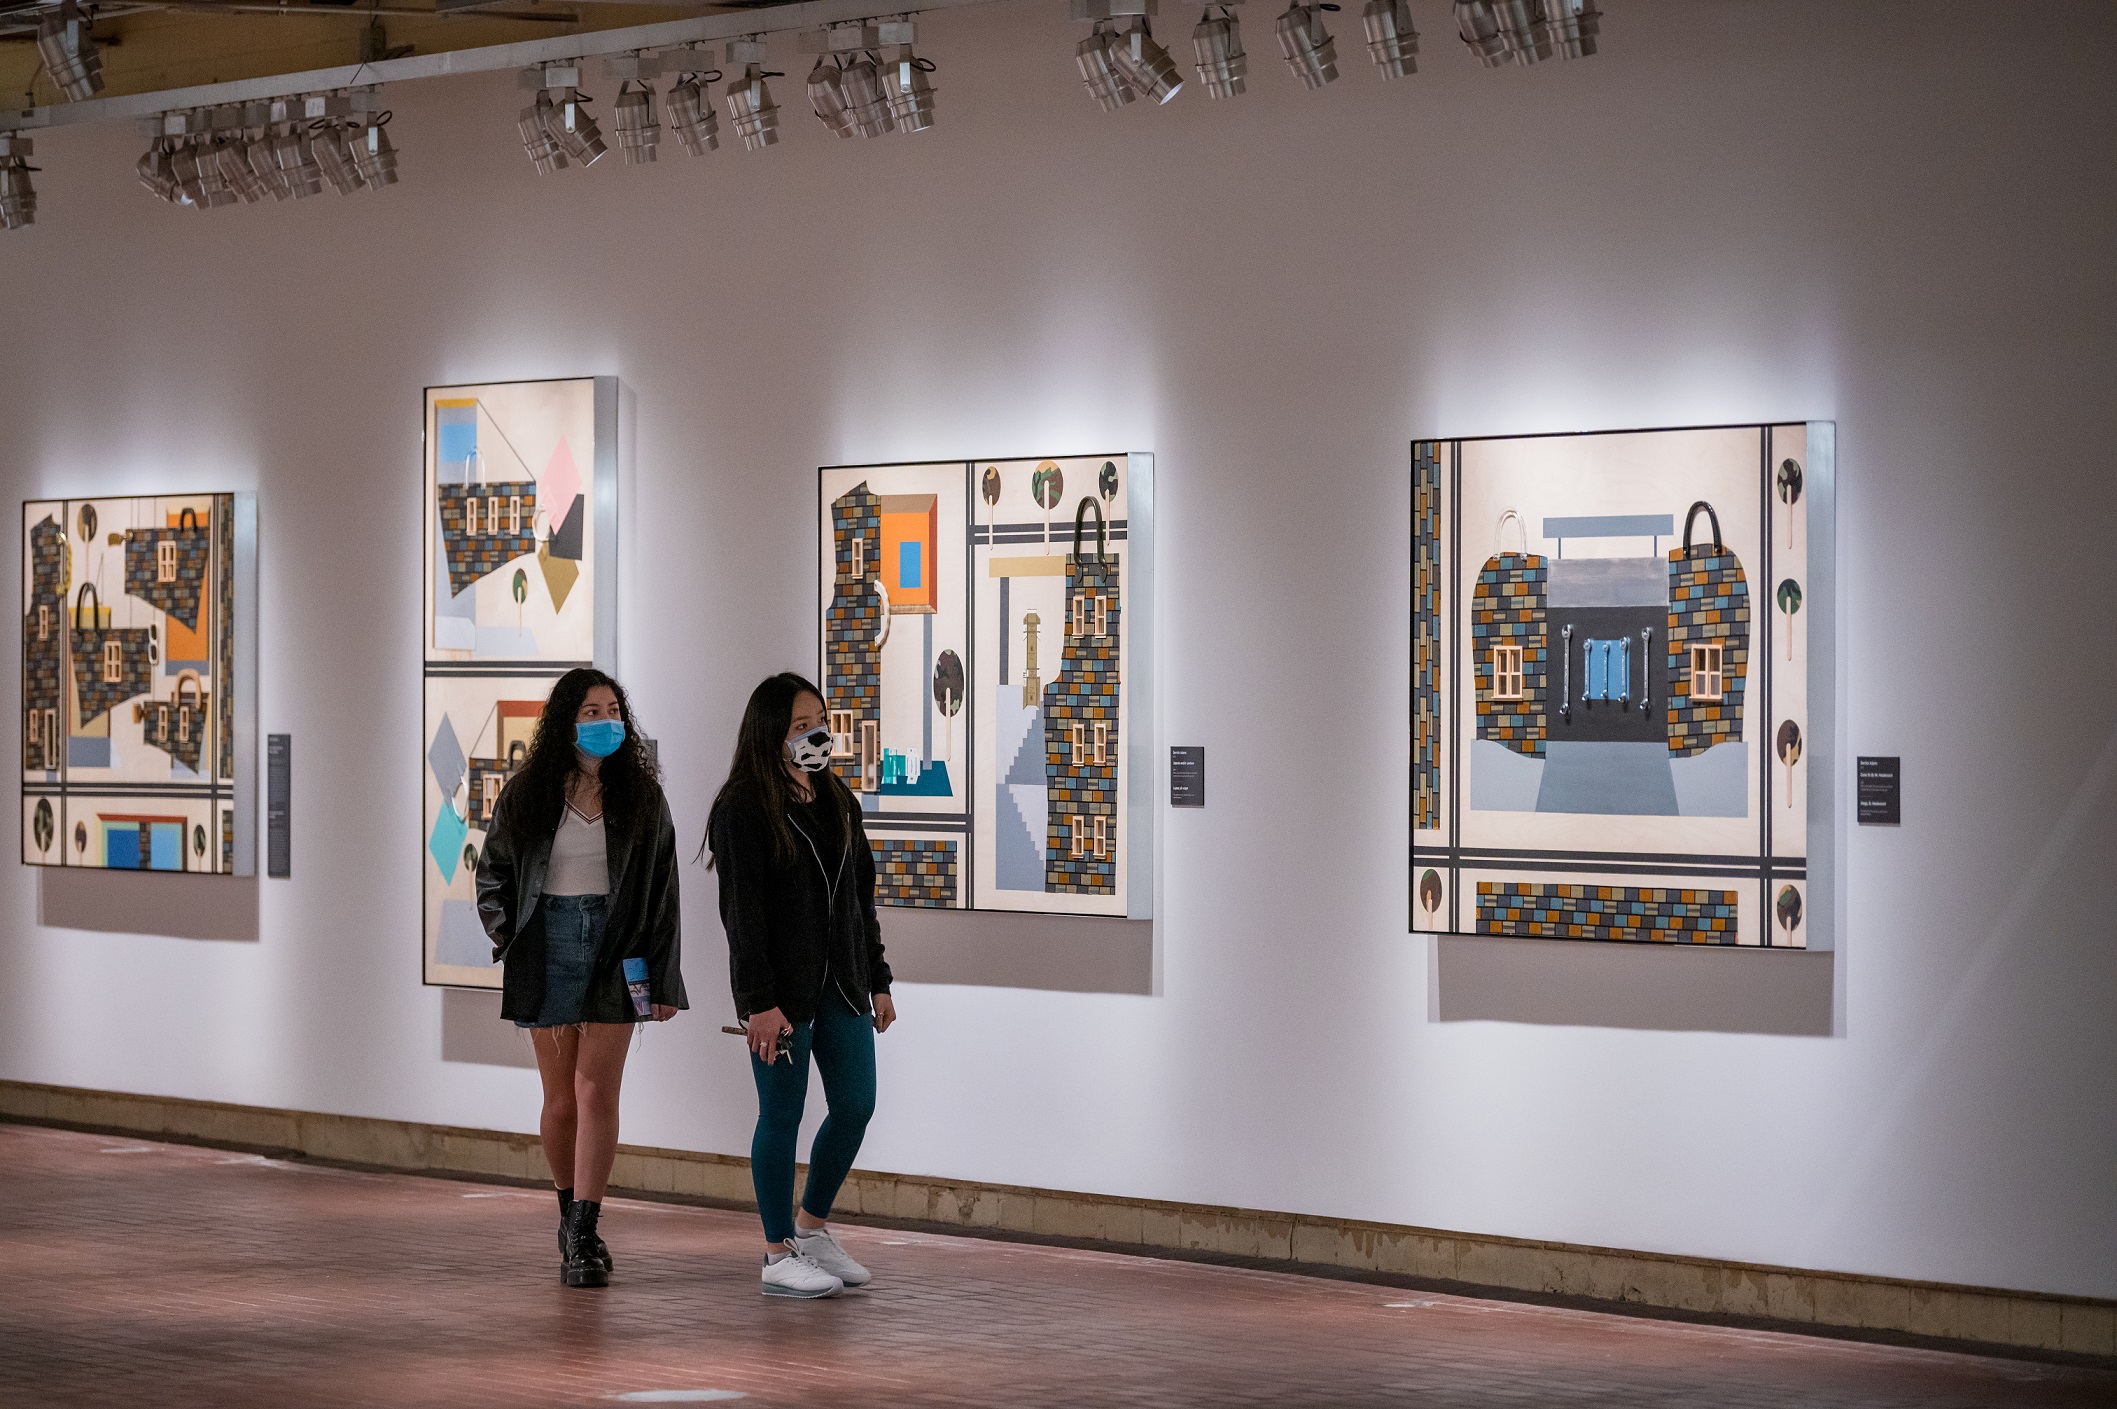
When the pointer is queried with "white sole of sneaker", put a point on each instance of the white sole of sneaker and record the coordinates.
(802, 1296)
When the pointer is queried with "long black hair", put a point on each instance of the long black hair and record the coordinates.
(758, 773)
(631, 783)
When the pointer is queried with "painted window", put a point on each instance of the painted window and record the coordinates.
(870, 755)
(51, 738)
(43, 622)
(1102, 838)
(165, 561)
(492, 514)
(492, 794)
(859, 555)
(1080, 744)
(113, 663)
(514, 513)
(1708, 675)
(161, 724)
(183, 724)
(470, 518)
(1506, 672)
(1102, 743)
(841, 733)
(1080, 837)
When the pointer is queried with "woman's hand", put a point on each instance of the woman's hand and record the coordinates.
(766, 1029)
(885, 1012)
(664, 1011)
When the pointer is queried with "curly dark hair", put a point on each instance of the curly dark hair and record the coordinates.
(631, 781)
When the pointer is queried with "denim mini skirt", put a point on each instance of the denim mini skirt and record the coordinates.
(573, 933)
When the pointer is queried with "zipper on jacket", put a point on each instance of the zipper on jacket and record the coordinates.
(830, 897)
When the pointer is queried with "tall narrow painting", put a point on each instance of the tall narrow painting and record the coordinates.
(521, 532)
(1620, 704)
(986, 641)
(138, 680)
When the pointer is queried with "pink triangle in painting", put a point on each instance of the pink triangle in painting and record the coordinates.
(562, 482)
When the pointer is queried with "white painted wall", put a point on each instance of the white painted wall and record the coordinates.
(1894, 215)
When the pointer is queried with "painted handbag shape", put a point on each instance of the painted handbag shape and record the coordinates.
(166, 567)
(177, 726)
(1508, 629)
(111, 664)
(1081, 720)
(44, 649)
(484, 527)
(1708, 636)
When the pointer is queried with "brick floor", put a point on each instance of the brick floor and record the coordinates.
(134, 1273)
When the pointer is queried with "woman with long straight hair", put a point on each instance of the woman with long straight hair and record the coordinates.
(797, 897)
(577, 889)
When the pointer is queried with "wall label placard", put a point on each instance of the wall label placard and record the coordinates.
(279, 815)
(1881, 791)
(1187, 775)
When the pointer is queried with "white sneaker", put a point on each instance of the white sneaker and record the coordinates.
(822, 1249)
(796, 1275)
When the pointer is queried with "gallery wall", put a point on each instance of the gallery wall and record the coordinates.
(1895, 216)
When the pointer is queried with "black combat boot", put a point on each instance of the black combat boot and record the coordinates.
(583, 1268)
(602, 1253)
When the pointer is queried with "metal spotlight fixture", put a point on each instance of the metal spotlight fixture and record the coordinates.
(157, 174)
(1099, 71)
(910, 95)
(1310, 51)
(1571, 27)
(864, 103)
(1146, 66)
(691, 112)
(1480, 28)
(183, 164)
(1522, 26)
(750, 107)
(827, 96)
(534, 127)
(232, 155)
(18, 194)
(212, 177)
(1223, 69)
(71, 59)
(373, 155)
(638, 134)
(328, 140)
(574, 129)
(1391, 41)
(257, 150)
(297, 162)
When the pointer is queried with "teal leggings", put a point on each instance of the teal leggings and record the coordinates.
(844, 1044)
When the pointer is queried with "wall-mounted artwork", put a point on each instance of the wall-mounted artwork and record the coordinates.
(138, 681)
(987, 657)
(1616, 712)
(520, 572)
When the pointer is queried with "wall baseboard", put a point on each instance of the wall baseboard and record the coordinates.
(1835, 1300)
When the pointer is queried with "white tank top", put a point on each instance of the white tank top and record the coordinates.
(580, 863)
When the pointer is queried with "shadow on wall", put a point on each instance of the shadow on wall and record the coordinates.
(473, 1031)
(180, 907)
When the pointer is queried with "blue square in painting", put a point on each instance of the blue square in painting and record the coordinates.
(909, 566)
(165, 846)
(456, 436)
(446, 843)
(121, 845)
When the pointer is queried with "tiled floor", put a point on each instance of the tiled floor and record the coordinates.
(134, 1273)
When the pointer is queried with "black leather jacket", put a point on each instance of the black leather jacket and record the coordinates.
(790, 920)
(643, 919)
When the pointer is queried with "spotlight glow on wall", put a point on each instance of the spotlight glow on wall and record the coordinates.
(1310, 50)
(72, 61)
(1216, 45)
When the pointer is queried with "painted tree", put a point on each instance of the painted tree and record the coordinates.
(1430, 891)
(948, 695)
(989, 490)
(1789, 602)
(1789, 754)
(1789, 908)
(1790, 493)
(520, 588)
(1047, 485)
(1106, 482)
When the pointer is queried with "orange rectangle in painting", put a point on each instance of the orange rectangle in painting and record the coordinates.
(184, 643)
(911, 533)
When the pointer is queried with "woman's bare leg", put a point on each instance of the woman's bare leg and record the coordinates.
(598, 1071)
(558, 1050)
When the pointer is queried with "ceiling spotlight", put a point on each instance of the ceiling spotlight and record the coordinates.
(1310, 52)
(827, 96)
(212, 180)
(534, 127)
(1216, 43)
(18, 194)
(157, 174)
(257, 150)
(183, 164)
(751, 108)
(864, 102)
(332, 154)
(297, 162)
(1391, 41)
(570, 125)
(1099, 69)
(71, 59)
(232, 155)
(1480, 29)
(1146, 66)
(911, 97)
(1571, 26)
(373, 155)
(691, 113)
(1522, 26)
(638, 134)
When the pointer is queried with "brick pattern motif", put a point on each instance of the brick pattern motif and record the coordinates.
(224, 667)
(1086, 691)
(1426, 637)
(1708, 601)
(180, 598)
(164, 725)
(126, 1288)
(227, 840)
(43, 659)
(472, 556)
(915, 872)
(93, 695)
(1544, 910)
(852, 663)
(1507, 607)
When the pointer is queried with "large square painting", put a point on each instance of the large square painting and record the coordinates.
(136, 683)
(1616, 703)
(521, 501)
(986, 630)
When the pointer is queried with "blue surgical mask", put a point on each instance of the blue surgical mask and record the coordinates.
(599, 738)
